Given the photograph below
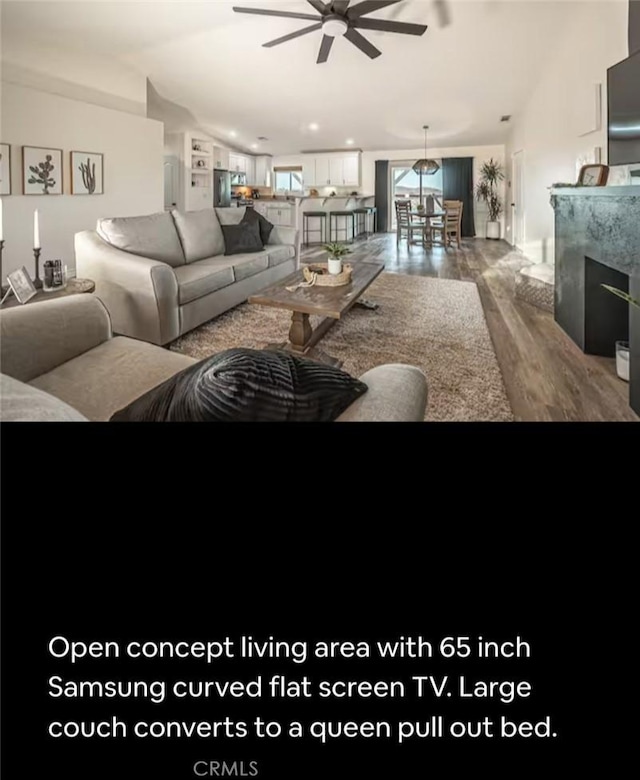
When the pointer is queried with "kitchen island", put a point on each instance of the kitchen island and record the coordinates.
(286, 211)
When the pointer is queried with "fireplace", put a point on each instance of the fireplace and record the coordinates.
(597, 241)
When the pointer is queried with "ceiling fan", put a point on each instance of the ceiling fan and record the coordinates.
(337, 18)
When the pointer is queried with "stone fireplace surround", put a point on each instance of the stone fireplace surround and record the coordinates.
(597, 241)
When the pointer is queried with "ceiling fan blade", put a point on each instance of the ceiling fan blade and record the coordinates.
(340, 6)
(387, 25)
(325, 48)
(320, 7)
(368, 7)
(293, 35)
(443, 12)
(362, 43)
(265, 12)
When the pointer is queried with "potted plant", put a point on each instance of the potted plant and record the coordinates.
(491, 174)
(336, 253)
(622, 347)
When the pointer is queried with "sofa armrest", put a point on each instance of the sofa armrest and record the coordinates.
(397, 393)
(140, 294)
(37, 337)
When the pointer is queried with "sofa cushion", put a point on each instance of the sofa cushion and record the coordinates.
(248, 385)
(265, 227)
(279, 253)
(110, 376)
(152, 236)
(200, 233)
(242, 238)
(230, 215)
(250, 264)
(203, 277)
(20, 402)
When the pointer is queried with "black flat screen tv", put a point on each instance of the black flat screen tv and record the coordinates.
(623, 93)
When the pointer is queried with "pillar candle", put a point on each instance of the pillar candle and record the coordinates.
(36, 230)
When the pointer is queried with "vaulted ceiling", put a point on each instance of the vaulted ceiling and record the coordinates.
(459, 77)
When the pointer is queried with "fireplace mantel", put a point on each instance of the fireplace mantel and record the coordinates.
(597, 240)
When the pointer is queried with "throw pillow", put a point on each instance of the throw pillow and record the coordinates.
(248, 385)
(251, 215)
(241, 238)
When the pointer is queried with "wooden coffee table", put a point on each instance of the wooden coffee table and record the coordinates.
(332, 303)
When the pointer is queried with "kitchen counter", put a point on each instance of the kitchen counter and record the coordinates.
(287, 210)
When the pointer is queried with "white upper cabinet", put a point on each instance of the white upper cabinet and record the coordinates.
(220, 158)
(263, 167)
(341, 169)
(237, 163)
(323, 174)
(351, 170)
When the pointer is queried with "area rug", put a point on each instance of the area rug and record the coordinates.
(435, 324)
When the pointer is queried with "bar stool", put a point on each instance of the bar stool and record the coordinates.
(360, 217)
(334, 228)
(306, 216)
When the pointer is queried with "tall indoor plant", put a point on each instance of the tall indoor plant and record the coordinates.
(491, 174)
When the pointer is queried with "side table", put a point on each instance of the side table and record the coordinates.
(73, 287)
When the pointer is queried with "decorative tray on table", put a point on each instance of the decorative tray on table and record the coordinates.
(318, 274)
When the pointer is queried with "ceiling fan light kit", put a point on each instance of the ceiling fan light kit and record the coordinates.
(338, 19)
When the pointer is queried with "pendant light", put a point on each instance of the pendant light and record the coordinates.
(426, 166)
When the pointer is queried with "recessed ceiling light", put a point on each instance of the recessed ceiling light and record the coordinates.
(349, 141)
(232, 133)
(254, 146)
(314, 126)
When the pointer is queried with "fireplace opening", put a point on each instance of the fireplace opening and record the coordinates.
(606, 316)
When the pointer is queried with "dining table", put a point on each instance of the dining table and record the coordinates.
(427, 216)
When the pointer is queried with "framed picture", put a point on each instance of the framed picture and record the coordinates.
(21, 285)
(593, 175)
(87, 173)
(41, 171)
(5, 169)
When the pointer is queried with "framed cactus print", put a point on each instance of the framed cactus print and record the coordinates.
(41, 171)
(87, 173)
(5, 169)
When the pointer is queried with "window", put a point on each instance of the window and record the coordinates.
(405, 183)
(289, 180)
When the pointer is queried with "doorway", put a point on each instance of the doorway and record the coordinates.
(405, 184)
(517, 205)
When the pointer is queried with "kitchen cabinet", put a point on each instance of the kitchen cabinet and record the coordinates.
(309, 171)
(279, 214)
(220, 158)
(341, 169)
(263, 171)
(237, 163)
(323, 175)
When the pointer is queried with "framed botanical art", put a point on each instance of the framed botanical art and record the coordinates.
(87, 173)
(5, 169)
(41, 171)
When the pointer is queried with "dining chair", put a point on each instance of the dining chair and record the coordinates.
(450, 226)
(405, 223)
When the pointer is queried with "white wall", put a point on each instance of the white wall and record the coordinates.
(133, 170)
(549, 127)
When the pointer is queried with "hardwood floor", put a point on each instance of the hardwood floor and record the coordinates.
(546, 375)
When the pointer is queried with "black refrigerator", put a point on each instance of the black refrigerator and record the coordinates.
(221, 188)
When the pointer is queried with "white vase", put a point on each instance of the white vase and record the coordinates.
(335, 265)
(493, 229)
(622, 360)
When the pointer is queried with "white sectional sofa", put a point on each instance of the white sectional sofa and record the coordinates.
(164, 274)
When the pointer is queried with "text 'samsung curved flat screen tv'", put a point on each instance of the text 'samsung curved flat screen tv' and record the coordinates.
(623, 87)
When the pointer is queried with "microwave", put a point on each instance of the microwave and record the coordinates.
(238, 178)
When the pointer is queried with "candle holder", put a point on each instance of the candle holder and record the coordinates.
(37, 282)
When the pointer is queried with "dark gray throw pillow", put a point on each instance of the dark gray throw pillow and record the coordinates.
(241, 238)
(265, 227)
(248, 385)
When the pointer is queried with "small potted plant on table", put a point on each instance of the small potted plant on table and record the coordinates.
(336, 253)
